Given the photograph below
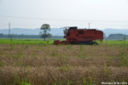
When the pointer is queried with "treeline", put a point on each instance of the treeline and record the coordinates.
(27, 36)
(117, 37)
(15, 36)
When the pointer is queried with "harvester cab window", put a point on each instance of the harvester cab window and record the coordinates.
(66, 32)
(81, 32)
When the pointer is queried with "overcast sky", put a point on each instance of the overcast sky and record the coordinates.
(58, 13)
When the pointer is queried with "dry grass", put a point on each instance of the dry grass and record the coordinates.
(62, 65)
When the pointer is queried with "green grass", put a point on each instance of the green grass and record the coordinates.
(25, 41)
(41, 41)
(113, 42)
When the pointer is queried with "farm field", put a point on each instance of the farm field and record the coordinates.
(50, 42)
(25, 41)
(38, 62)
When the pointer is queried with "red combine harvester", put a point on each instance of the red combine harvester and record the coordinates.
(80, 36)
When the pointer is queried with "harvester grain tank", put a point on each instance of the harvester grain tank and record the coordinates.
(80, 36)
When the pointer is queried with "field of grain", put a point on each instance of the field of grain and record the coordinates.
(47, 64)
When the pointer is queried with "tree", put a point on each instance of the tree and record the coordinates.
(124, 38)
(45, 28)
(1, 35)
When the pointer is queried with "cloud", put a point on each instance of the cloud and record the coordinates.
(0, 1)
(126, 1)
